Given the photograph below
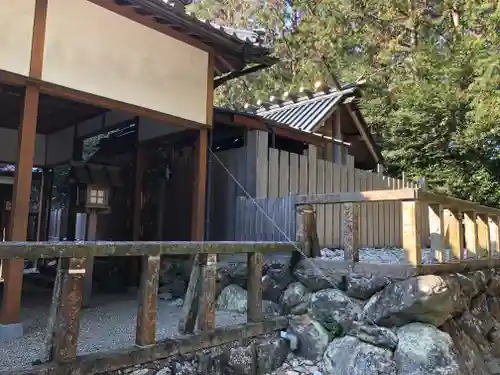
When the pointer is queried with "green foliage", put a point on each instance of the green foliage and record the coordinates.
(433, 73)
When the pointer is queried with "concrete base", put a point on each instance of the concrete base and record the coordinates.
(10, 331)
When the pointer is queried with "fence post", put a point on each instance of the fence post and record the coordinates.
(68, 310)
(471, 233)
(483, 232)
(456, 234)
(254, 302)
(148, 294)
(351, 232)
(307, 232)
(206, 317)
(412, 231)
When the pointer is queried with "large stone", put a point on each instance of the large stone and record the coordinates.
(334, 310)
(276, 279)
(375, 335)
(363, 287)
(234, 298)
(425, 350)
(493, 288)
(472, 326)
(350, 356)
(428, 299)
(479, 308)
(312, 337)
(296, 299)
(318, 274)
(470, 357)
(271, 353)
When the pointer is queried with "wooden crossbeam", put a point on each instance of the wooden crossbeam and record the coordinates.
(34, 250)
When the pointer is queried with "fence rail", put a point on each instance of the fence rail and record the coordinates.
(64, 319)
(463, 225)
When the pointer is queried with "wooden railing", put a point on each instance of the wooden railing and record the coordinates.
(447, 218)
(64, 320)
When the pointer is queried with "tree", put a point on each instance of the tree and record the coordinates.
(433, 69)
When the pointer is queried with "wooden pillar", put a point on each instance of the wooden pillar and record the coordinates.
(148, 295)
(455, 234)
(45, 204)
(471, 233)
(13, 268)
(483, 234)
(412, 232)
(200, 180)
(437, 233)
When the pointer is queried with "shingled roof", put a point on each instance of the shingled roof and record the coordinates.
(235, 49)
(306, 110)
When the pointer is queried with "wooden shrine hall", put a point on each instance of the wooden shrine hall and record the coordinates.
(67, 74)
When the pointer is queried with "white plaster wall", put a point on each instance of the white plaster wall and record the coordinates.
(60, 146)
(16, 32)
(9, 145)
(94, 50)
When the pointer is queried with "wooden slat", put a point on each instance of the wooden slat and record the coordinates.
(320, 209)
(254, 302)
(190, 307)
(284, 174)
(304, 175)
(294, 174)
(483, 232)
(455, 234)
(412, 231)
(273, 188)
(331, 212)
(471, 234)
(148, 294)
(436, 224)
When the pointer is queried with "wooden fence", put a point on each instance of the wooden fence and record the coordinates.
(288, 174)
(199, 306)
(470, 230)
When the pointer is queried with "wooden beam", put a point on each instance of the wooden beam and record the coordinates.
(148, 295)
(81, 249)
(198, 215)
(254, 301)
(352, 197)
(412, 233)
(190, 307)
(107, 361)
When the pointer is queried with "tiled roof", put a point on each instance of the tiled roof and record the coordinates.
(233, 46)
(307, 111)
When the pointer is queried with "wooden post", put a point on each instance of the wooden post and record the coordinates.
(12, 269)
(307, 232)
(455, 233)
(483, 233)
(45, 204)
(148, 295)
(496, 235)
(351, 232)
(412, 231)
(206, 318)
(191, 302)
(436, 229)
(254, 301)
(89, 266)
(337, 135)
(68, 312)
(50, 343)
(471, 233)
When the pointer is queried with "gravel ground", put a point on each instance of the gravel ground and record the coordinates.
(109, 324)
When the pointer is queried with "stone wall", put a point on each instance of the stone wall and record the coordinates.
(350, 323)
